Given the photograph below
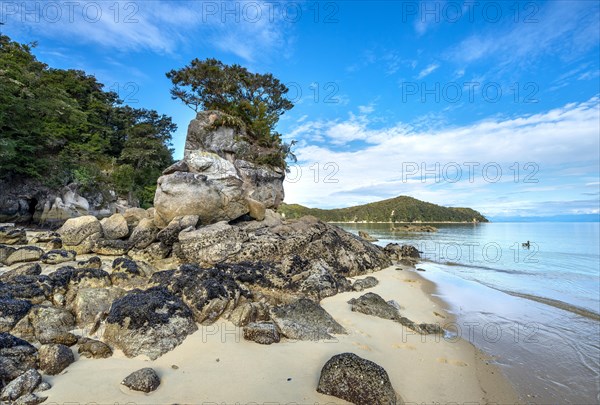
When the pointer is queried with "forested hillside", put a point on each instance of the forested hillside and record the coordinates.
(398, 209)
(61, 127)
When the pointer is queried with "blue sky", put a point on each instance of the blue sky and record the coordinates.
(492, 105)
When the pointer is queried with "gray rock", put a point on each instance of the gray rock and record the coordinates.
(24, 254)
(11, 312)
(95, 349)
(364, 283)
(5, 252)
(143, 234)
(264, 333)
(20, 386)
(249, 312)
(373, 304)
(90, 303)
(305, 320)
(59, 256)
(133, 216)
(145, 380)
(169, 235)
(75, 231)
(10, 235)
(54, 358)
(44, 237)
(54, 244)
(150, 322)
(16, 357)
(115, 227)
(47, 324)
(30, 399)
(356, 380)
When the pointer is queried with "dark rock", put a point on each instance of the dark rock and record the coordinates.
(169, 235)
(150, 322)
(124, 270)
(305, 320)
(356, 380)
(47, 324)
(20, 386)
(111, 247)
(264, 333)
(398, 253)
(28, 269)
(69, 277)
(58, 256)
(16, 357)
(35, 289)
(11, 312)
(209, 293)
(30, 399)
(145, 380)
(54, 358)
(95, 349)
(93, 262)
(367, 282)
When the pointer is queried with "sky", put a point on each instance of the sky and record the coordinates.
(491, 105)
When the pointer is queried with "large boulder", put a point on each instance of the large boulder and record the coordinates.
(54, 358)
(150, 322)
(305, 320)
(11, 312)
(314, 255)
(28, 269)
(47, 324)
(115, 227)
(216, 180)
(21, 386)
(356, 380)
(80, 233)
(209, 293)
(24, 254)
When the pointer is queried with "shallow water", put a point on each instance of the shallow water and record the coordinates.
(546, 334)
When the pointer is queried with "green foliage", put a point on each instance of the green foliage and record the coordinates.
(254, 101)
(61, 126)
(398, 209)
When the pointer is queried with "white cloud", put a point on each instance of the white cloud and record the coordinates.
(159, 26)
(428, 70)
(552, 140)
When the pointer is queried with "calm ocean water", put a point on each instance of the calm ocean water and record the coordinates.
(536, 310)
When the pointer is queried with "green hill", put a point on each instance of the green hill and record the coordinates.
(398, 209)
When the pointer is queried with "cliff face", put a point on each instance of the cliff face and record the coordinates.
(214, 180)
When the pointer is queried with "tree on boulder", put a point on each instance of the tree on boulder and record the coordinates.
(253, 101)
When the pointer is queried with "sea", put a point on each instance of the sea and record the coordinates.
(534, 309)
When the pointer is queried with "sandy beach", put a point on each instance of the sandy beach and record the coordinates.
(216, 365)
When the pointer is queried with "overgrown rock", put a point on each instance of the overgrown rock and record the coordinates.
(356, 380)
(91, 304)
(150, 322)
(111, 247)
(16, 357)
(28, 269)
(143, 234)
(249, 312)
(11, 312)
(79, 233)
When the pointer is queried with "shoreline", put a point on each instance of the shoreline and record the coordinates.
(411, 223)
(422, 368)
